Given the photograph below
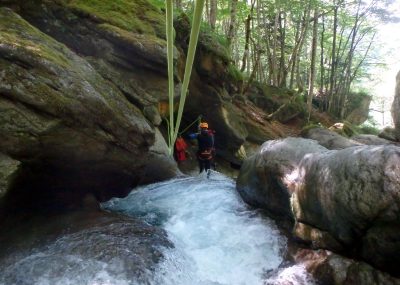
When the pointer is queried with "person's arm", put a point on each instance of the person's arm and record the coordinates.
(192, 136)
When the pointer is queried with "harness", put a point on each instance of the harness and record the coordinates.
(206, 154)
(206, 146)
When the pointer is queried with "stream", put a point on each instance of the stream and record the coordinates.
(185, 231)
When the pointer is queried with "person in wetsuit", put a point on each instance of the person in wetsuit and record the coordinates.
(205, 152)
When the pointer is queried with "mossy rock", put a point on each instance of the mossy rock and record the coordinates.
(72, 130)
(208, 41)
(309, 127)
(25, 42)
(139, 16)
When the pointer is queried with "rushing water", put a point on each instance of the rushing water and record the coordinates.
(216, 240)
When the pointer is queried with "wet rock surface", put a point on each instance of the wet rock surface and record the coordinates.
(80, 247)
(330, 268)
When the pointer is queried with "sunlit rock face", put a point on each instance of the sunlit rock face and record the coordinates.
(352, 197)
(344, 200)
(268, 178)
(396, 108)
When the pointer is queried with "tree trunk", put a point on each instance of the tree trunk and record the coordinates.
(274, 75)
(178, 4)
(282, 70)
(246, 44)
(313, 59)
(247, 37)
(322, 69)
(346, 86)
(232, 23)
(213, 13)
(333, 59)
(295, 58)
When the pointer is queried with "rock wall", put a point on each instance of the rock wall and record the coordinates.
(69, 130)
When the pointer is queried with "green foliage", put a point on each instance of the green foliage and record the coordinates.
(370, 130)
(369, 127)
(209, 43)
(349, 130)
(214, 35)
(234, 72)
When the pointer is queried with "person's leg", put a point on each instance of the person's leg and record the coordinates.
(207, 167)
(201, 165)
(207, 164)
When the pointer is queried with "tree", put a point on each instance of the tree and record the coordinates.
(313, 61)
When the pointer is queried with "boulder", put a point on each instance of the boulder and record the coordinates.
(388, 133)
(352, 196)
(396, 107)
(342, 200)
(65, 123)
(267, 179)
(328, 138)
(360, 114)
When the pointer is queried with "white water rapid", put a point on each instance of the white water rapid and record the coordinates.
(218, 239)
(214, 239)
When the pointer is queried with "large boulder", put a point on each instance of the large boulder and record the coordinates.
(349, 199)
(388, 133)
(396, 107)
(360, 114)
(267, 178)
(343, 200)
(72, 130)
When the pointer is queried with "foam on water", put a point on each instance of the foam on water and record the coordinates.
(217, 238)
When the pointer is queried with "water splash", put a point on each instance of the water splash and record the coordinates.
(217, 238)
